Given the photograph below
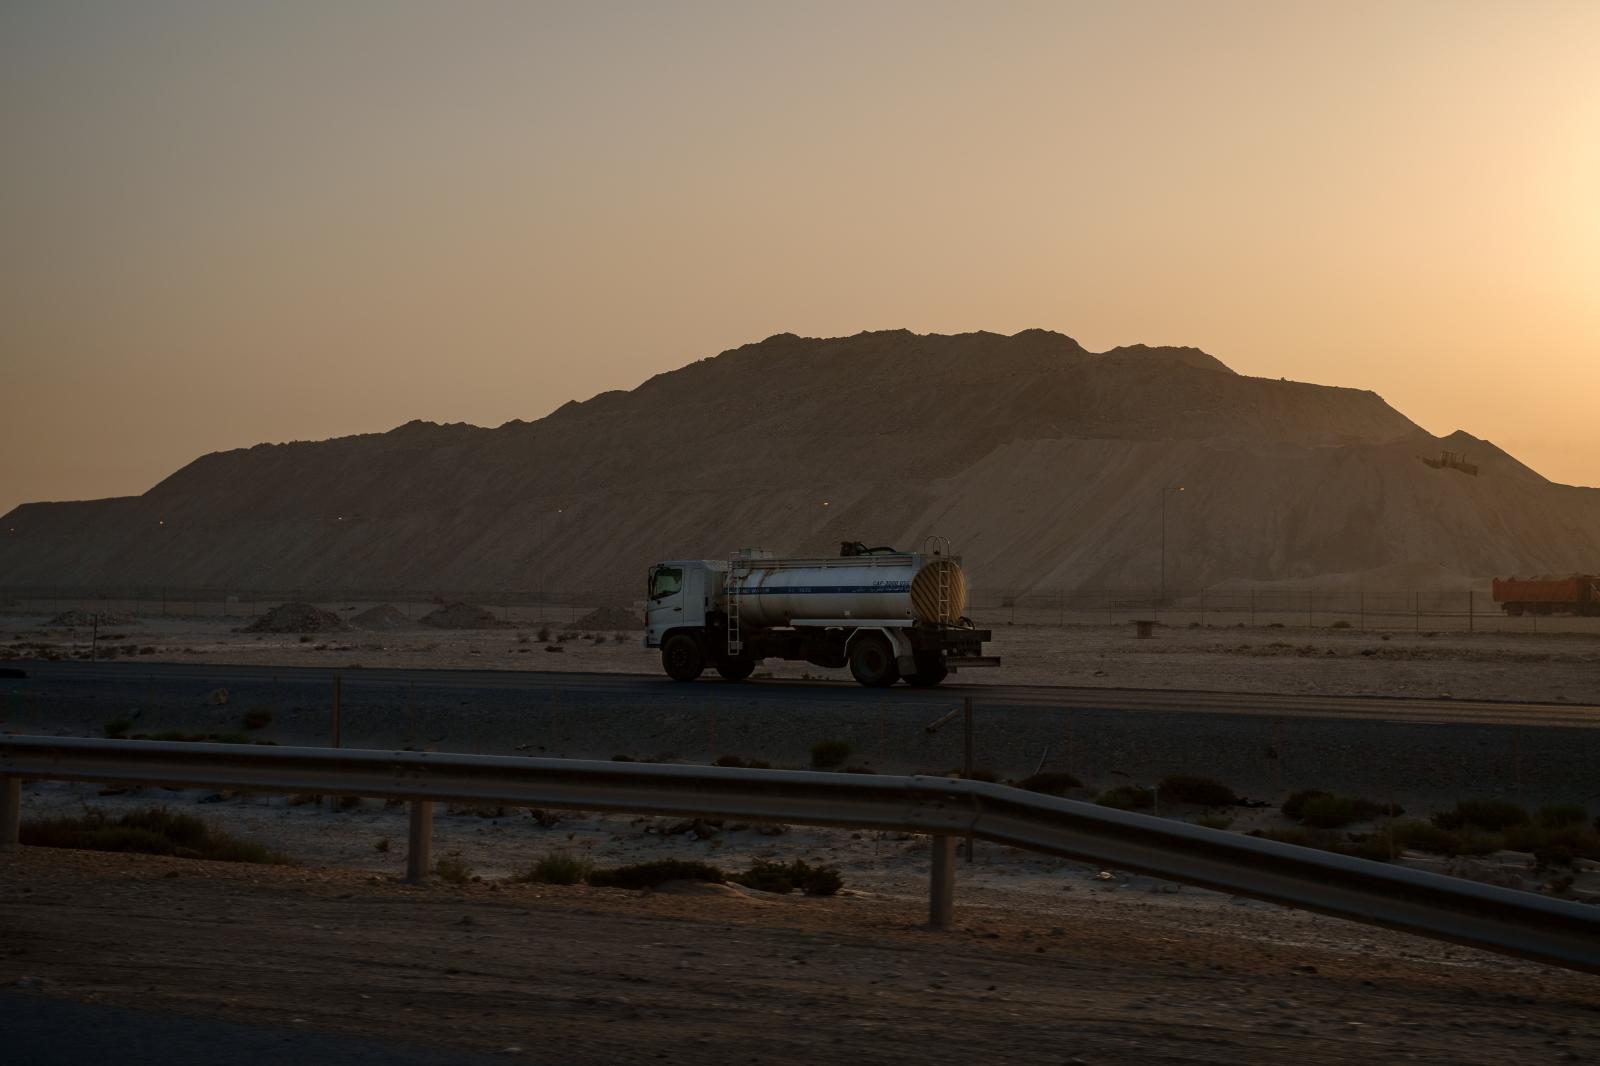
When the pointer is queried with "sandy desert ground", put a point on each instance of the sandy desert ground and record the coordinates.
(1093, 973)
(1559, 664)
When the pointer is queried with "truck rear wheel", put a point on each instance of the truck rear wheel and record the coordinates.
(735, 669)
(872, 662)
(682, 657)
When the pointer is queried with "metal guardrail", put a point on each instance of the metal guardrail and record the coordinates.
(1558, 932)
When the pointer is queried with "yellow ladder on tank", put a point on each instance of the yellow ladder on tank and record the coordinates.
(939, 547)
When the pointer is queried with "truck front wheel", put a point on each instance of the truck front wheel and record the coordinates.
(682, 657)
(872, 662)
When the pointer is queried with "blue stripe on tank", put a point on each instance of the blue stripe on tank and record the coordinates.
(814, 590)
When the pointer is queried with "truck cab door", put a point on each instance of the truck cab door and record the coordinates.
(664, 604)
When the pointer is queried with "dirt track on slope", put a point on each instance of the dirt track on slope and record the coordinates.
(581, 975)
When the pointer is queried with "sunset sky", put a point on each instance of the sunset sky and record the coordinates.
(226, 223)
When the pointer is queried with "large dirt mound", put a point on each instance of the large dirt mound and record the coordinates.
(383, 616)
(1045, 464)
(611, 617)
(463, 616)
(296, 618)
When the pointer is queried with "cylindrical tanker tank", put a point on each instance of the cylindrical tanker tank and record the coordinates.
(898, 587)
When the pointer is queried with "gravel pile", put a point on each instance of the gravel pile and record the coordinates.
(296, 618)
(463, 616)
(609, 618)
(383, 616)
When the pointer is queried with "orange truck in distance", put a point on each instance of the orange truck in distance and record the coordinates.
(1578, 594)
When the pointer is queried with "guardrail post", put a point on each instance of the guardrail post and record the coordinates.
(942, 887)
(967, 756)
(10, 812)
(419, 842)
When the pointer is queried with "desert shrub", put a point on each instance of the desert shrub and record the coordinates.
(1200, 791)
(544, 634)
(1330, 812)
(302, 799)
(117, 728)
(178, 735)
(1127, 798)
(1290, 834)
(1327, 811)
(1558, 846)
(1474, 841)
(304, 639)
(829, 753)
(1294, 807)
(790, 877)
(453, 869)
(1051, 784)
(739, 762)
(558, 868)
(1492, 814)
(1340, 624)
(620, 638)
(477, 810)
(1214, 821)
(1561, 815)
(522, 638)
(152, 831)
(1375, 846)
(381, 845)
(348, 803)
(257, 718)
(654, 874)
(1418, 835)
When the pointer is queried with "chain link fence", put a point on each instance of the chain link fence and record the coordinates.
(1388, 610)
(1417, 610)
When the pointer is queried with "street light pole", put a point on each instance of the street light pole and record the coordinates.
(1162, 598)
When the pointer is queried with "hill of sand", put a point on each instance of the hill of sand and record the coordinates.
(1043, 463)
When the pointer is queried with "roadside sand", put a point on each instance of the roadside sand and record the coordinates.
(576, 975)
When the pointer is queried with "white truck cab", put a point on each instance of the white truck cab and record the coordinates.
(681, 592)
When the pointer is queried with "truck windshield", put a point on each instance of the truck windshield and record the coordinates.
(667, 580)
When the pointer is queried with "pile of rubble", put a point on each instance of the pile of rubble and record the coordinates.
(463, 616)
(383, 616)
(610, 617)
(296, 618)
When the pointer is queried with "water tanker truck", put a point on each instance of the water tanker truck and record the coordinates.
(885, 614)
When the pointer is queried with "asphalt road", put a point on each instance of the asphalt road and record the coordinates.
(1264, 746)
(641, 690)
